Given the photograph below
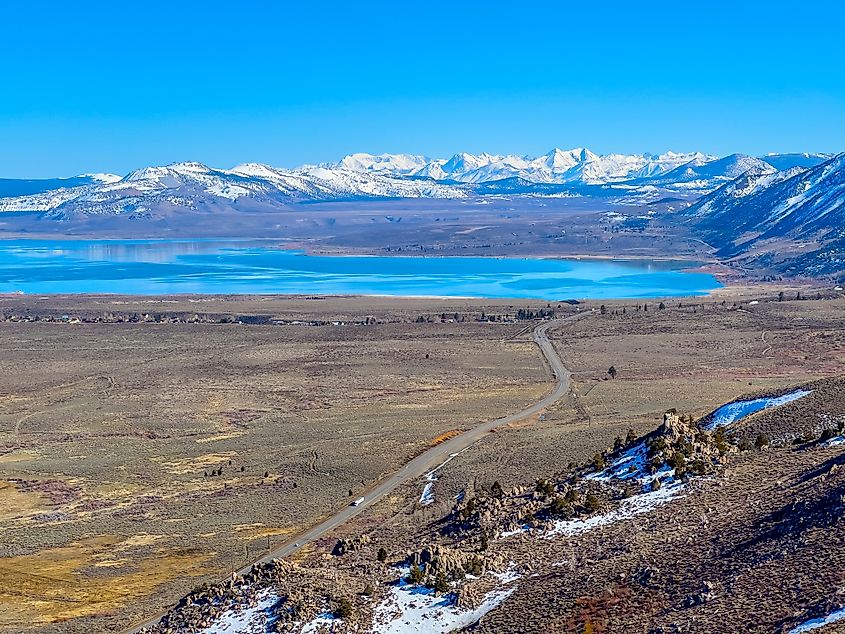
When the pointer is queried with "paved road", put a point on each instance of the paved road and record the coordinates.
(427, 460)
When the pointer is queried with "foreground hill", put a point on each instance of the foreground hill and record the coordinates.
(679, 530)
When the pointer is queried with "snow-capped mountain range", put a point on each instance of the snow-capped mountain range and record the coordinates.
(196, 186)
(578, 165)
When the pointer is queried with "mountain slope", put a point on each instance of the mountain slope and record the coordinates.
(391, 164)
(756, 213)
(803, 159)
(28, 187)
(701, 173)
(195, 186)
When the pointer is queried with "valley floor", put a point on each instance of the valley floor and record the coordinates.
(110, 432)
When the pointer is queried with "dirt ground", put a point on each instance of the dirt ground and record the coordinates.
(111, 435)
(110, 431)
(692, 358)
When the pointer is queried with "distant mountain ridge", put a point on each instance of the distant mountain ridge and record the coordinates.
(251, 186)
(755, 215)
(25, 187)
(577, 165)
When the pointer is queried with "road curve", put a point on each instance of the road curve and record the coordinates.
(424, 462)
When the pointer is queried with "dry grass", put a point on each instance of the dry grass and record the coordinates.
(109, 434)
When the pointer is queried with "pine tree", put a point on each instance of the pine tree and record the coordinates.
(441, 586)
(344, 608)
(416, 576)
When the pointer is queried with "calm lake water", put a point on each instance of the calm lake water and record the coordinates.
(158, 267)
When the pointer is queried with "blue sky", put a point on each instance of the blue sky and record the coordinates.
(111, 86)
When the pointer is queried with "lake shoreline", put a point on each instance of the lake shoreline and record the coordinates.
(209, 266)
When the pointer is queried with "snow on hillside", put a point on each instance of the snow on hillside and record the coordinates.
(578, 165)
(559, 172)
(43, 201)
(193, 184)
(392, 164)
(754, 180)
(797, 159)
(701, 173)
(101, 178)
(412, 609)
(796, 202)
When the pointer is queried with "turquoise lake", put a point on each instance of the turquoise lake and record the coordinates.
(160, 267)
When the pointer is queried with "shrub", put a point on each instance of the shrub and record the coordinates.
(630, 437)
(697, 467)
(497, 490)
(416, 575)
(544, 486)
(441, 585)
(457, 574)
(677, 460)
(827, 434)
(474, 567)
(656, 445)
(761, 441)
(560, 506)
(469, 509)
(343, 610)
(721, 440)
(382, 554)
(592, 503)
(598, 462)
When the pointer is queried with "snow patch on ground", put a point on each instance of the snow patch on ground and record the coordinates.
(320, 623)
(632, 465)
(416, 609)
(232, 192)
(508, 576)
(814, 624)
(251, 620)
(732, 412)
(834, 442)
(630, 507)
(427, 496)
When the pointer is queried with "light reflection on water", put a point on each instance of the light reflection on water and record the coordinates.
(213, 266)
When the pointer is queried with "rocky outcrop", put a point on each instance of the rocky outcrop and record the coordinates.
(454, 563)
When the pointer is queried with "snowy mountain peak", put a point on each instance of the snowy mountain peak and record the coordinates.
(387, 163)
(561, 160)
(464, 162)
(101, 178)
(189, 167)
